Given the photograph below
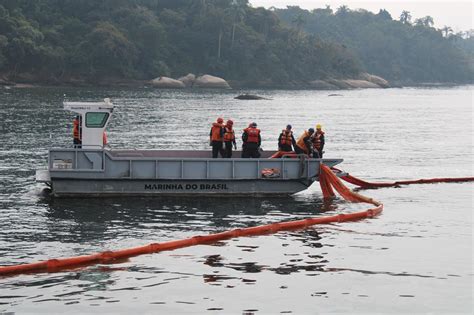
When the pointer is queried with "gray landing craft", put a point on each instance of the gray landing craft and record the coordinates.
(96, 170)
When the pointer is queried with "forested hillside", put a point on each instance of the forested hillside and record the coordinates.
(143, 39)
(396, 48)
(60, 41)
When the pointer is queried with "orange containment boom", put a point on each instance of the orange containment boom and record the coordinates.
(326, 176)
(364, 184)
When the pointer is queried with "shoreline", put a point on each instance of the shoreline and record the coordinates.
(235, 85)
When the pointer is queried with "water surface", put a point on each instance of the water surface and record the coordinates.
(415, 258)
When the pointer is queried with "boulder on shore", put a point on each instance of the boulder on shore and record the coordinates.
(361, 84)
(322, 85)
(209, 81)
(188, 80)
(167, 83)
(375, 79)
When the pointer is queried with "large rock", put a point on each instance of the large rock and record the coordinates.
(250, 97)
(209, 81)
(375, 79)
(167, 83)
(188, 80)
(341, 84)
(362, 84)
(322, 85)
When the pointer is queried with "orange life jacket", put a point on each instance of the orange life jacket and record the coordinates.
(229, 134)
(316, 139)
(75, 129)
(216, 132)
(252, 134)
(286, 137)
(300, 141)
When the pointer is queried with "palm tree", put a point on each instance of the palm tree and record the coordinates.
(446, 30)
(405, 17)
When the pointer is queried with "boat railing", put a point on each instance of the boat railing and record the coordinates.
(89, 163)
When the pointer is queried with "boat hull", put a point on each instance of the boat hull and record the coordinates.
(103, 188)
(87, 172)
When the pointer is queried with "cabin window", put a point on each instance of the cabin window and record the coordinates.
(96, 120)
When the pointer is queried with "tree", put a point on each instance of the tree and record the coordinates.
(405, 17)
(238, 9)
(446, 31)
(384, 14)
(426, 21)
(342, 10)
(299, 20)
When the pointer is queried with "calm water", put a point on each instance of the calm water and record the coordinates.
(415, 258)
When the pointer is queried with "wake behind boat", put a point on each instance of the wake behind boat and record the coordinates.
(93, 169)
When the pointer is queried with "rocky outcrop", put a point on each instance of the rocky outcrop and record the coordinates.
(375, 79)
(167, 83)
(364, 81)
(361, 84)
(188, 80)
(322, 85)
(209, 81)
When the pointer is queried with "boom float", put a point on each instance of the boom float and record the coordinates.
(327, 177)
(328, 181)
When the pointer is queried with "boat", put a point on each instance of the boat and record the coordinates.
(95, 169)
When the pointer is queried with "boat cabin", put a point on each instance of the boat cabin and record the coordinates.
(93, 119)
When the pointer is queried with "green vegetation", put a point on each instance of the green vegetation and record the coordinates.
(396, 49)
(95, 40)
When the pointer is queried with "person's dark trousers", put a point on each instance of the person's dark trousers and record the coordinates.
(216, 149)
(285, 148)
(318, 154)
(77, 143)
(228, 149)
(298, 150)
(251, 151)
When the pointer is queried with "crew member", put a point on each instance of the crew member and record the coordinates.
(229, 139)
(251, 141)
(217, 138)
(304, 144)
(286, 140)
(318, 142)
(77, 131)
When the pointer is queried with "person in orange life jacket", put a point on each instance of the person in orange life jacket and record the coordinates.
(286, 140)
(216, 136)
(251, 141)
(317, 140)
(77, 131)
(229, 139)
(304, 144)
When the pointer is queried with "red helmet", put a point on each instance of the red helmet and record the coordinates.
(230, 122)
(220, 120)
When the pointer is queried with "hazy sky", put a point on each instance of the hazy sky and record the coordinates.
(457, 13)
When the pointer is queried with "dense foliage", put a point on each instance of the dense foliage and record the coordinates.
(396, 49)
(67, 40)
(143, 39)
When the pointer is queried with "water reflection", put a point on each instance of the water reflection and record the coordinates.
(106, 218)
